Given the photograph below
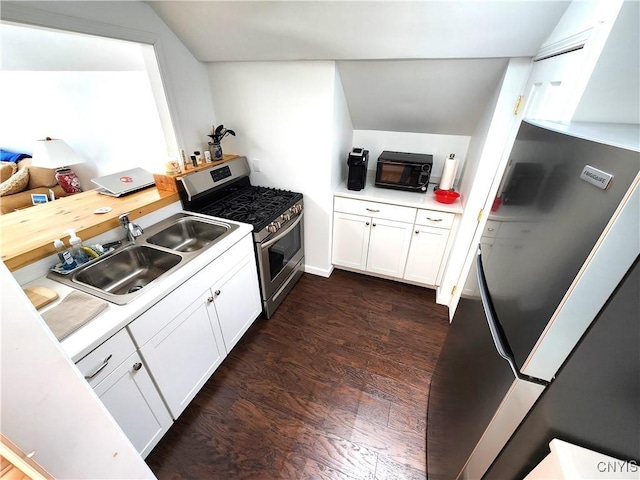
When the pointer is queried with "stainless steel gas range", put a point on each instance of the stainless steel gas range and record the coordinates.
(225, 191)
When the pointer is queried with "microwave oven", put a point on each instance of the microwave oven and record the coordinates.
(404, 171)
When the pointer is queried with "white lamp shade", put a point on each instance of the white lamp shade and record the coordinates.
(54, 153)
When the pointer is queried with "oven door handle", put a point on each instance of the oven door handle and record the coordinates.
(283, 234)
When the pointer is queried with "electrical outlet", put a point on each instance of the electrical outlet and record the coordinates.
(256, 165)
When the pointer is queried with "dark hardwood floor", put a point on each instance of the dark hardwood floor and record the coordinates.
(333, 386)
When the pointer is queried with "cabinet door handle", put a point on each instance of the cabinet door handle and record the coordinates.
(367, 224)
(373, 210)
(100, 368)
(217, 292)
(374, 224)
(137, 366)
(434, 219)
(417, 232)
(210, 300)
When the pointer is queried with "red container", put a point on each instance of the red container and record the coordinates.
(446, 196)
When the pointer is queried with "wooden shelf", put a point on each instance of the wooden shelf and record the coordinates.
(167, 182)
(27, 235)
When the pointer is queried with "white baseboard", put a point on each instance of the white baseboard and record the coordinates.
(442, 298)
(321, 272)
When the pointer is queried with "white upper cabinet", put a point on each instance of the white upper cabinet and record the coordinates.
(566, 61)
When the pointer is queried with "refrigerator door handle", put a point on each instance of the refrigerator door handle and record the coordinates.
(501, 345)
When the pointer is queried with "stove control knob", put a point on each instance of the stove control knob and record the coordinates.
(274, 227)
(286, 216)
(296, 209)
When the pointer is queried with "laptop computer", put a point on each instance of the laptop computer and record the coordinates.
(122, 183)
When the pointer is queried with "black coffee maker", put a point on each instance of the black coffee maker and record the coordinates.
(358, 159)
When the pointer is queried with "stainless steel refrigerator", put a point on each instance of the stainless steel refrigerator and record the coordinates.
(563, 233)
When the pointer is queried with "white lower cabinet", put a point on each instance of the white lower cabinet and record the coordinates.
(428, 246)
(186, 336)
(184, 354)
(388, 247)
(370, 244)
(147, 373)
(235, 301)
(132, 399)
(350, 240)
(425, 255)
(121, 380)
(377, 242)
(391, 240)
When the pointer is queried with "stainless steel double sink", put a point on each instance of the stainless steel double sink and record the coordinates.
(120, 276)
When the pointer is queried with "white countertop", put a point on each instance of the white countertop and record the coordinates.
(115, 317)
(568, 461)
(398, 197)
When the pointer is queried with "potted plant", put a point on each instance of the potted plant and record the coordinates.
(216, 136)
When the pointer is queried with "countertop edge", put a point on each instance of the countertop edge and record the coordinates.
(397, 197)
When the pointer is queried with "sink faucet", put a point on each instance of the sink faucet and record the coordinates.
(133, 229)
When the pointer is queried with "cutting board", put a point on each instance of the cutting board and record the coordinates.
(40, 296)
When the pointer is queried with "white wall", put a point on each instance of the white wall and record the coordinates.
(586, 24)
(342, 133)
(184, 78)
(109, 118)
(282, 113)
(92, 92)
(48, 408)
(440, 146)
(613, 91)
(342, 143)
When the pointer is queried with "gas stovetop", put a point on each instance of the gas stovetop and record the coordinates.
(225, 191)
(259, 206)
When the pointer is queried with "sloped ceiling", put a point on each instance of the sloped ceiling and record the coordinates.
(426, 66)
(422, 96)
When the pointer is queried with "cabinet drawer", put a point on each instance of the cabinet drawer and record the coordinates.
(434, 218)
(374, 209)
(98, 364)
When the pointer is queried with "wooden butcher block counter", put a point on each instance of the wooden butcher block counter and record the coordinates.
(27, 235)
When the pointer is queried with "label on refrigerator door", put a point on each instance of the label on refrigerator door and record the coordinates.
(596, 177)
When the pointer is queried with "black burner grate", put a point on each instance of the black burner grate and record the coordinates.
(257, 206)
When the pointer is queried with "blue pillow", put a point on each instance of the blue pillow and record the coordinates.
(7, 156)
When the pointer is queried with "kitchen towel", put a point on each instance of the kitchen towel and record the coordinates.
(74, 311)
(448, 173)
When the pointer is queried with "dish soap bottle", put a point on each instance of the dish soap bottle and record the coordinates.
(78, 254)
(66, 259)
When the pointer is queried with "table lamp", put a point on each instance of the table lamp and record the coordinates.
(56, 154)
